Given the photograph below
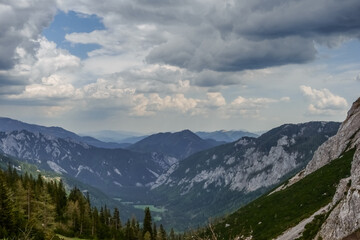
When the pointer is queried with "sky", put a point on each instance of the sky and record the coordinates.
(166, 65)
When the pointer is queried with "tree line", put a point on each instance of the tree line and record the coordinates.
(39, 208)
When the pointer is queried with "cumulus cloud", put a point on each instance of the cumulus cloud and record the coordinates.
(50, 60)
(46, 75)
(25, 21)
(323, 102)
(251, 107)
(51, 87)
(215, 99)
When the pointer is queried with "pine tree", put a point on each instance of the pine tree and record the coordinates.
(154, 233)
(116, 219)
(7, 226)
(162, 233)
(129, 232)
(60, 201)
(147, 223)
(95, 222)
(172, 234)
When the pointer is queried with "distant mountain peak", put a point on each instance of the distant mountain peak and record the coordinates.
(178, 144)
(225, 135)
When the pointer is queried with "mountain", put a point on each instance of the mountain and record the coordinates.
(9, 125)
(221, 179)
(344, 215)
(207, 184)
(117, 136)
(320, 202)
(111, 170)
(179, 144)
(225, 136)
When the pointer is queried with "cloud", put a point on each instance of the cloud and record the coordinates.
(252, 107)
(215, 100)
(219, 36)
(50, 60)
(52, 87)
(323, 102)
(41, 78)
(25, 21)
(259, 34)
(43, 74)
(238, 54)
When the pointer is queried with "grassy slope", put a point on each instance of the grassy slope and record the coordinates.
(270, 215)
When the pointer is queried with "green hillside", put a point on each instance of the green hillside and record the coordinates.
(270, 215)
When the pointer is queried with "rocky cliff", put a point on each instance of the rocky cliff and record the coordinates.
(348, 137)
(344, 219)
(344, 211)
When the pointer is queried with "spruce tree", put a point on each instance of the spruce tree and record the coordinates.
(154, 233)
(172, 234)
(6, 211)
(116, 219)
(162, 233)
(147, 225)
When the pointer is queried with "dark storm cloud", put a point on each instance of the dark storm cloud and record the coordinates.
(235, 55)
(305, 18)
(259, 34)
(11, 85)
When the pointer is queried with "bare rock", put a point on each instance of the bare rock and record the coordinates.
(347, 137)
(345, 218)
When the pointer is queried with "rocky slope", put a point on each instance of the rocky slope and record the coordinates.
(344, 219)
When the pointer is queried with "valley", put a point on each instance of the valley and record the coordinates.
(258, 187)
(190, 180)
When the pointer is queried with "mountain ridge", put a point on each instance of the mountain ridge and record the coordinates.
(179, 144)
(107, 169)
(221, 179)
(225, 135)
(8, 125)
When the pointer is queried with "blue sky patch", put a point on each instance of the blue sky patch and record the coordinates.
(70, 22)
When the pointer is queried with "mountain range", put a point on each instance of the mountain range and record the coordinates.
(219, 180)
(188, 178)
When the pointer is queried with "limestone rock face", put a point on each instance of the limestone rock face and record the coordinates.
(347, 137)
(344, 219)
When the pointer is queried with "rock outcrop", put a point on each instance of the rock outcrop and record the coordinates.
(348, 137)
(344, 219)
